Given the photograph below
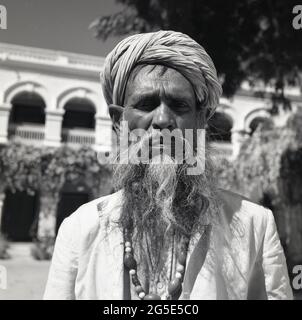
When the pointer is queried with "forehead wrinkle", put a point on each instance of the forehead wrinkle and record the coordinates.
(154, 70)
(145, 79)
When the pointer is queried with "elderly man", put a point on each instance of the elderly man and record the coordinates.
(166, 234)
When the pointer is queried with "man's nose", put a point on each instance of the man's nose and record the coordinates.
(163, 118)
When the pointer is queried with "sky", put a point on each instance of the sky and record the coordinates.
(57, 24)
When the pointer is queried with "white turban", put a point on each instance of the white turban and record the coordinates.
(172, 49)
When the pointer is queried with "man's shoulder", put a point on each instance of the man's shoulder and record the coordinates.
(238, 206)
(89, 215)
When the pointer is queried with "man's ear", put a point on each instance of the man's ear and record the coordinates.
(115, 112)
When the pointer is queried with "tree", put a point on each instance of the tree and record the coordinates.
(252, 40)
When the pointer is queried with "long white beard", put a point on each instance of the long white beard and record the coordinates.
(160, 195)
(164, 177)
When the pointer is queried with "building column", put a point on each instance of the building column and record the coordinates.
(4, 121)
(238, 137)
(53, 128)
(103, 133)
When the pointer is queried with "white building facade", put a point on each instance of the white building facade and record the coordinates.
(61, 84)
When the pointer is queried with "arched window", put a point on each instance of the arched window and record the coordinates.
(79, 113)
(257, 121)
(27, 107)
(220, 128)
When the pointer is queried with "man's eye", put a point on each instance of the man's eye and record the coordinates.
(181, 107)
(146, 107)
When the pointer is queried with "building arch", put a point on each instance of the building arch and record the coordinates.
(78, 93)
(27, 107)
(79, 107)
(25, 86)
(79, 113)
(20, 212)
(259, 113)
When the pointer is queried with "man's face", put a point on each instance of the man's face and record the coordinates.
(160, 98)
(158, 195)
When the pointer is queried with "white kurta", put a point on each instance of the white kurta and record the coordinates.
(243, 260)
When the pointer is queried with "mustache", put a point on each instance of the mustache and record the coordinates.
(155, 143)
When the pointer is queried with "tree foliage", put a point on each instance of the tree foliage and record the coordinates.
(20, 168)
(70, 165)
(251, 40)
(32, 169)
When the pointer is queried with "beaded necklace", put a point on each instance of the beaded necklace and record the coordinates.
(175, 285)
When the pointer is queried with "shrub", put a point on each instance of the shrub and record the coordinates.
(42, 249)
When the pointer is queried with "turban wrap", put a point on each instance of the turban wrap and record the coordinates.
(172, 49)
